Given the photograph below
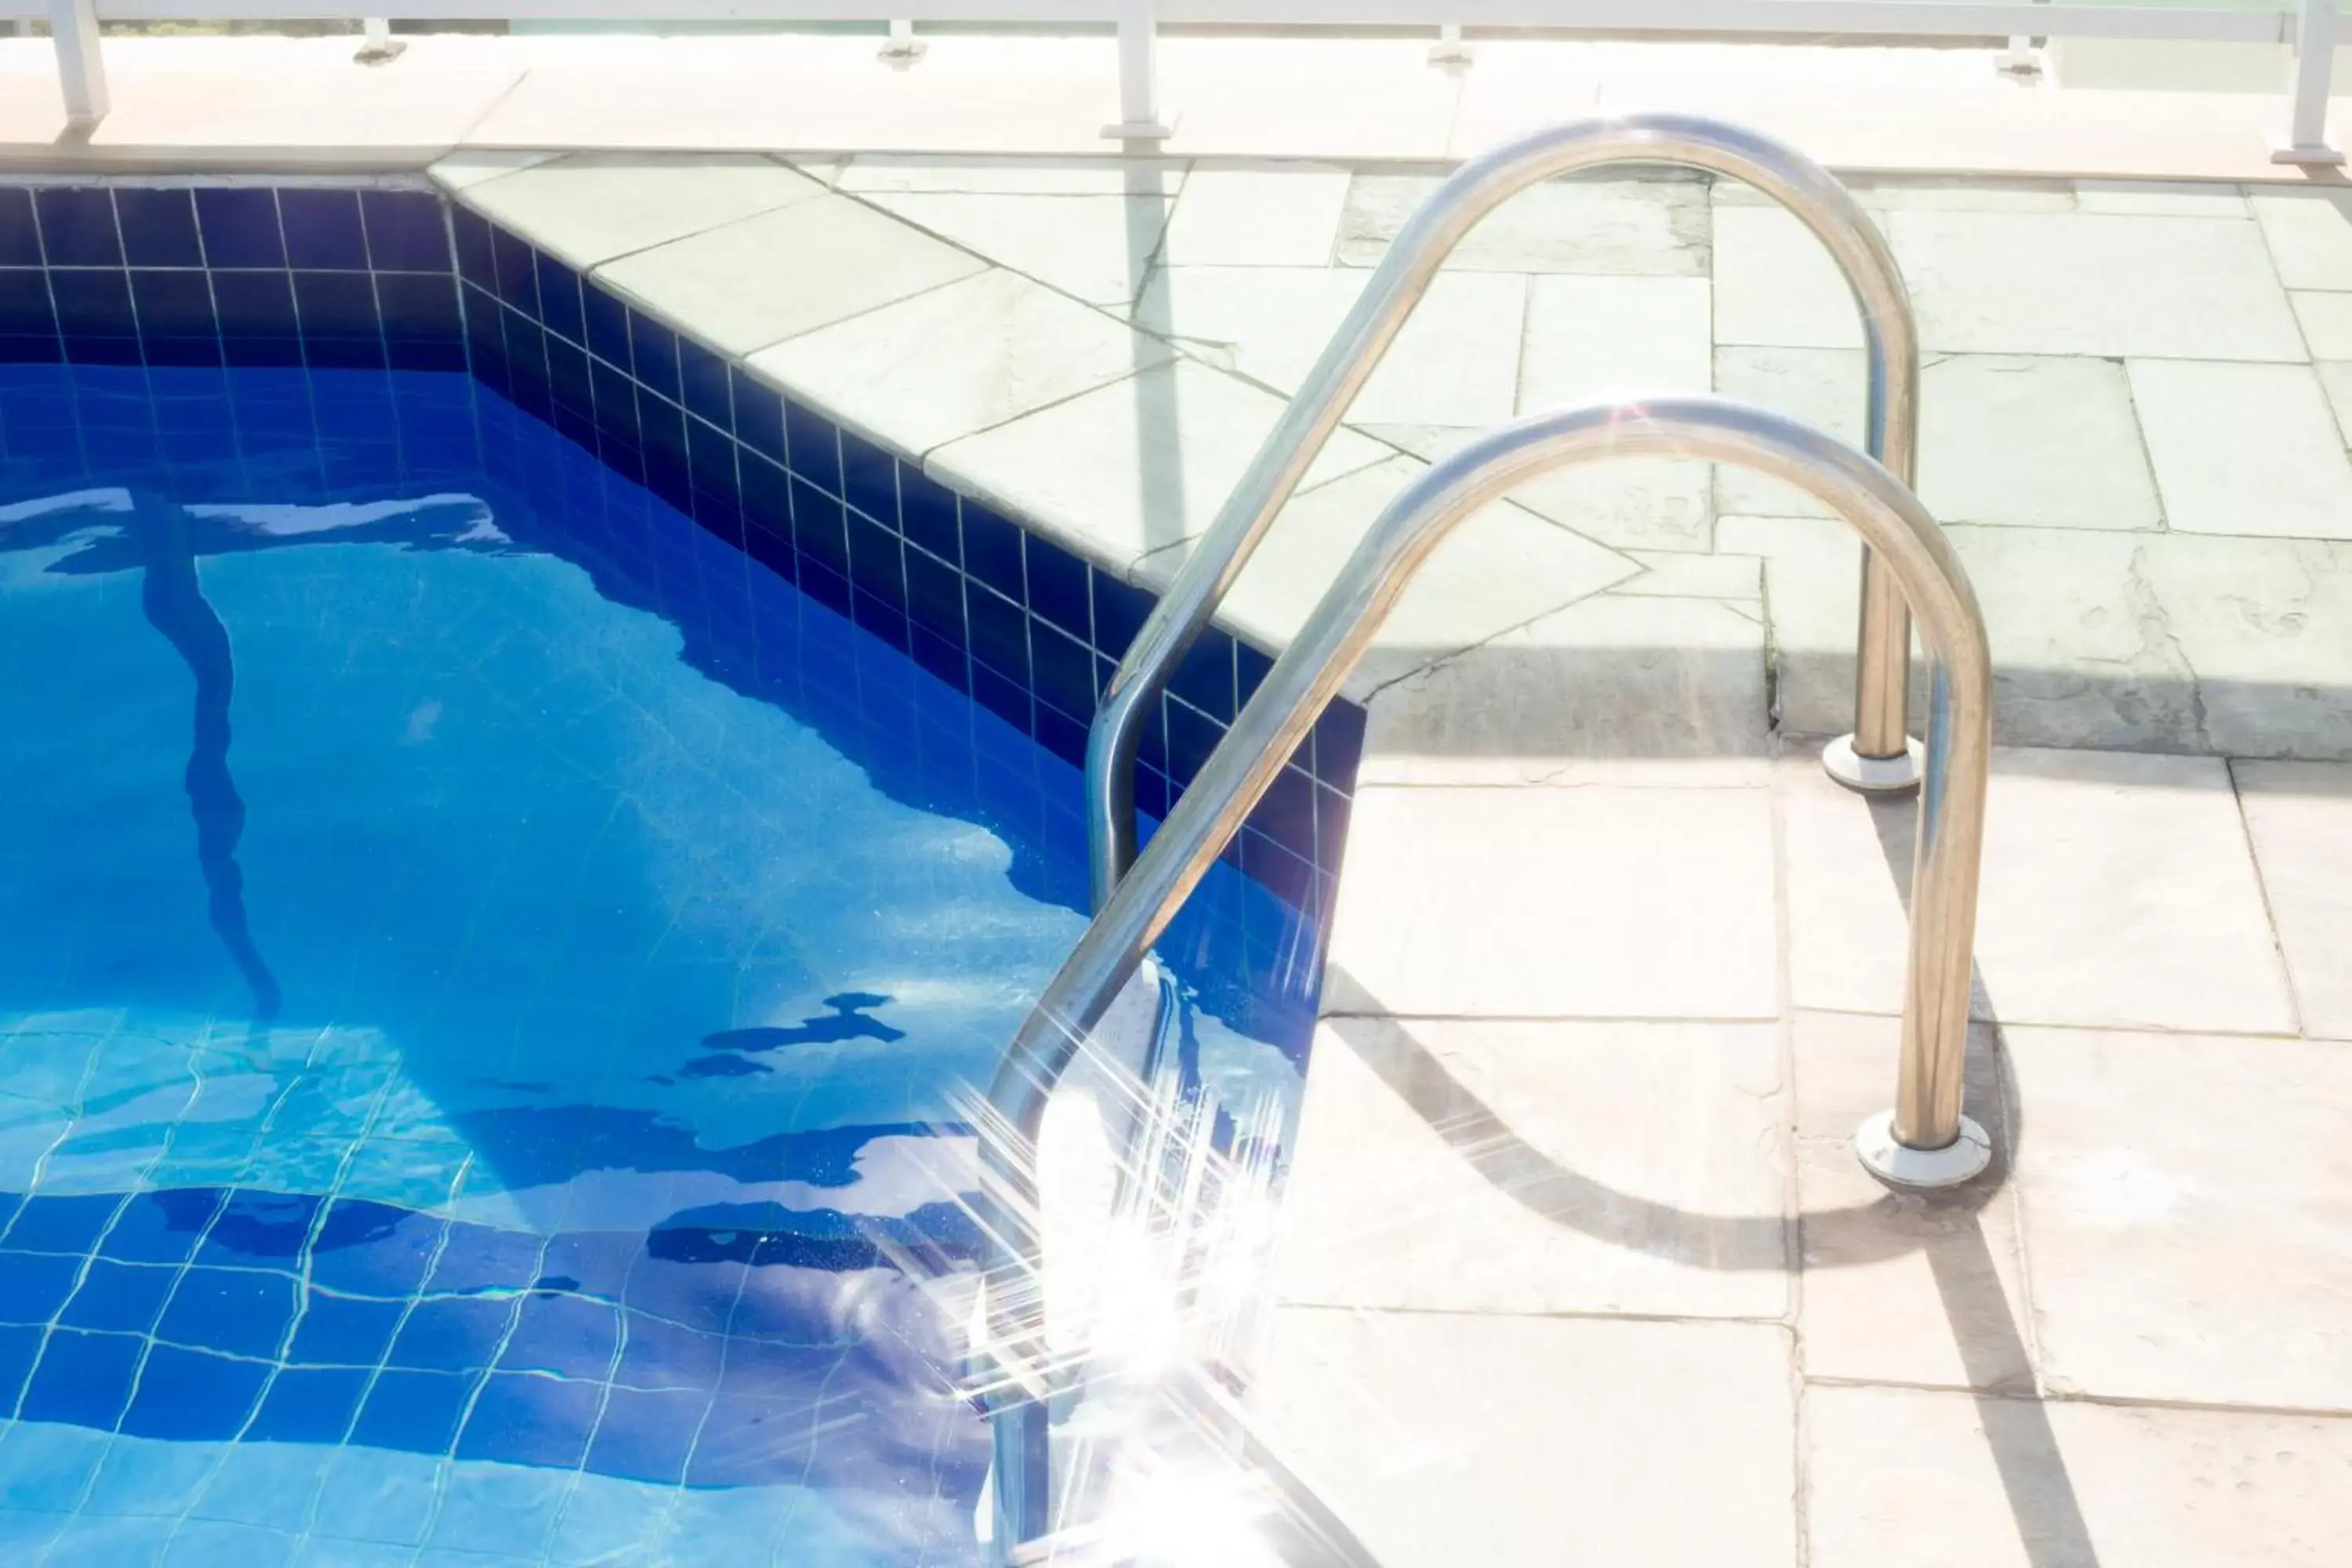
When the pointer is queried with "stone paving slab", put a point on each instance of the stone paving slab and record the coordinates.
(1454, 907)
(2119, 891)
(1497, 572)
(2299, 815)
(1943, 1480)
(1449, 1439)
(1641, 1168)
(2187, 1209)
(1899, 1288)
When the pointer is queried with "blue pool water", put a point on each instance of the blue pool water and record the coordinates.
(488, 978)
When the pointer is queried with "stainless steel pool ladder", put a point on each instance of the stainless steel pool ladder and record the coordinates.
(1925, 1141)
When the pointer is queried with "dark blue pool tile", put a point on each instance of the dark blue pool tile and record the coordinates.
(749, 1442)
(1120, 612)
(1063, 667)
(452, 1333)
(82, 1378)
(821, 583)
(35, 1285)
(1063, 734)
(811, 447)
(20, 236)
(476, 1258)
(194, 1396)
(515, 268)
(418, 307)
(311, 1404)
(261, 1230)
(374, 1249)
(25, 309)
(20, 1347)
(122, 1297)
(703, 386)
(526, 352)
(1338, 745)
(1285, 875)
(524, 1418)
(323, 229)
(878, 561)
(616, 402)
(93, 304)
(559, 301)
(927, 515)
(878, 618)
(1332, 810)
(662, 430)
(1192, 736)
(181, 352)
(663, 1354)
(645, 1435)
(711, 459)
(344, 1331)
(239, 224)
(475, 252)
(945, 659)
(416, 1412)
(1152, 794)
(1205, 676)
(1058, 590)
(336, 305)
(869, 479)
(158, 226)
(1000, 633)
(1249, 668)
(163, 1227)
(242, 1312)
(935, 596)
(653, 349)
(992, 552)
(607, 322)
(594, 1262)
(71, 1224)
(759, 414)
(1008, 699)
(568, 384)
(572, 1335)
(1285, 814)
(78, 226)
(767, 496)
(819, 529)
(103, 348)
(407, 231)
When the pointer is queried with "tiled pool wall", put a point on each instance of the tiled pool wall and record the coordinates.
(332, 277)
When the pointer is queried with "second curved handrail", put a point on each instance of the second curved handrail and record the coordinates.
(1924, 1141)
(1891, 342)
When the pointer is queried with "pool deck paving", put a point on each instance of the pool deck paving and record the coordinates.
(1577, 1263)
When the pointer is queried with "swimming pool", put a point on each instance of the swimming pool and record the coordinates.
(488, 973)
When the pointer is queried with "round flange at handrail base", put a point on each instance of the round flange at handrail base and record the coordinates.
(1921, 1170)
(1875, 776)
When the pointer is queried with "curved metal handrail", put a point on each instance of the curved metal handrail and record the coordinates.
(1891, 342)
(1932, 1143)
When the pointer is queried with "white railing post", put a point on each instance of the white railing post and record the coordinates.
(1449, 49)
(2314, 61)
(903, 48)
(81, 74)
(376, 42)
(1138, 74)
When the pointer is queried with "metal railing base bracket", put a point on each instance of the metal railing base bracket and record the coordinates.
(1874, 775)
(1917, 1169)
(2313, 155)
